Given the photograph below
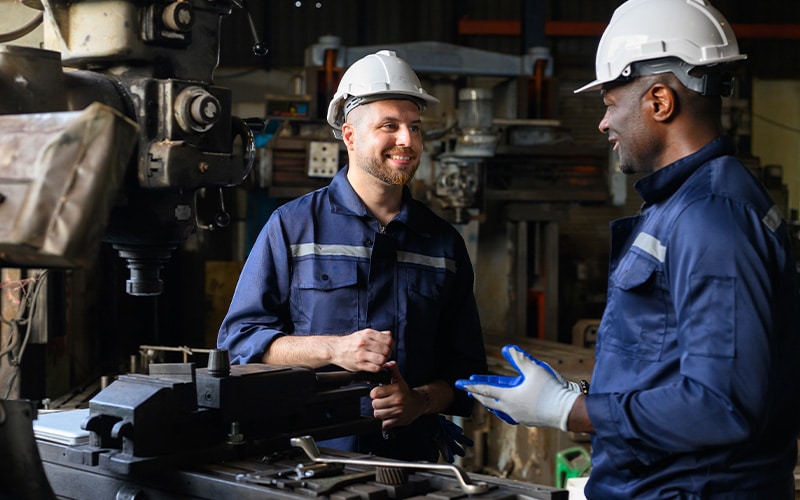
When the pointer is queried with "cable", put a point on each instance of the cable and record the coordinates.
(777, 124)
(30, 306)
(24, 315)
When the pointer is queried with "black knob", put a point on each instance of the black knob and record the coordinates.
(219, 364)
(260, 49)
(222, 219)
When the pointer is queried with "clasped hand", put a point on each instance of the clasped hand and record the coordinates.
(368, 350)
(538, 397)
(363, 351)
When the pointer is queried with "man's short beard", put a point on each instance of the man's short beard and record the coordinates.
(627, 169)
(377, 170)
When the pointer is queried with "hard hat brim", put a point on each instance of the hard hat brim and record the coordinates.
(595, 85)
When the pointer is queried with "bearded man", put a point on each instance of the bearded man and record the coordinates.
(360, 276)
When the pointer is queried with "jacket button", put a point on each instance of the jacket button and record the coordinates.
(324, 277)
(368, 242)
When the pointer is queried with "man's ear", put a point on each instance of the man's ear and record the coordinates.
(348, 135)
(662, 102)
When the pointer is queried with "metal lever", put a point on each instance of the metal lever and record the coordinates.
(221, 219)
(309, 446)
(259, 47)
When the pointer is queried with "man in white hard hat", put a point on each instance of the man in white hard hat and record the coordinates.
(359, 275)
(696, 382)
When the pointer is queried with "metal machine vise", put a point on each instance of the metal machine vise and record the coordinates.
(179, 414)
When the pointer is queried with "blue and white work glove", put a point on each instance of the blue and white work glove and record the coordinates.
(538, 397)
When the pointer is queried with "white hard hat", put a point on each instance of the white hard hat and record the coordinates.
(691, 31)
(374, 77)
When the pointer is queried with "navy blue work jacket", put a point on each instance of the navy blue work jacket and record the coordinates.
(322, 265)
(695, 388)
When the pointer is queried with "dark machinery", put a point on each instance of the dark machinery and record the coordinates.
(152, 130)
(240, 432)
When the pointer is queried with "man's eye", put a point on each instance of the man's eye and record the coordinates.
(415, 128)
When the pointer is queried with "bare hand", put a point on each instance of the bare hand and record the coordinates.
(365, 350)
(396, 404)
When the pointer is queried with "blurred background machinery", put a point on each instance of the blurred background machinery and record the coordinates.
(150, 66)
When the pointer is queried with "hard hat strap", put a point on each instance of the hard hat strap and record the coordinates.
(354, 101)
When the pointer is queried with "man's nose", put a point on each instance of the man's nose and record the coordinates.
(603, 125)
(403, 137)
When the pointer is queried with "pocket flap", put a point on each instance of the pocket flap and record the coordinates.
(636, 273)
(327, 274)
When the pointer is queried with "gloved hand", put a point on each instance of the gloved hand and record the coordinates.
(451, 440)
(538, 397)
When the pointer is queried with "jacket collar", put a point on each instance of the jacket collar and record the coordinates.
(345, 201)
(665, 181)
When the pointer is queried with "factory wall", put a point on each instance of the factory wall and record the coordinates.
(776, 131)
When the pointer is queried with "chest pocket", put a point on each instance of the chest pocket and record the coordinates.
(324, 296)
(637, 309)
(424, 290)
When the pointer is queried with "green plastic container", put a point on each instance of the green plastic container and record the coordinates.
(572, 462)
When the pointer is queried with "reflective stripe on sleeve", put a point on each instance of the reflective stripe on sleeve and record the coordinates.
(773, 218)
